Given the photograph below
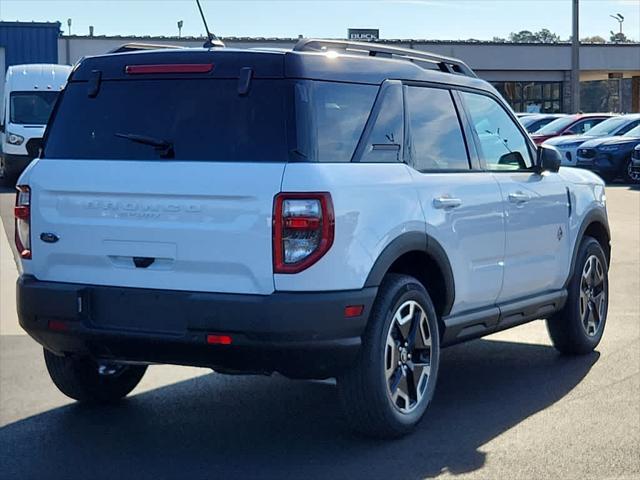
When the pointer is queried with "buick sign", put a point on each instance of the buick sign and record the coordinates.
(364, 34)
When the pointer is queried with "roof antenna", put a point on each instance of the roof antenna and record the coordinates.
(212, 40)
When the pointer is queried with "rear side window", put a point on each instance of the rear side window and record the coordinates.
(435, 136)
(200, 119)
(330, 118)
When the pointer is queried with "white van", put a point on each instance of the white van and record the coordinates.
(30, 92)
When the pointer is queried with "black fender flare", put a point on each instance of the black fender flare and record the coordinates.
(410, 242)
(593, 216)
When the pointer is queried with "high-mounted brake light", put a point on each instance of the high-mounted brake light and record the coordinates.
(169, 68)
(218, 339)
(303, 229)
(22, 213)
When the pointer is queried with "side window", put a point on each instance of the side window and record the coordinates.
(385, 138)
(435, 136)
(503, 146)
(585, 125)
(628, 127)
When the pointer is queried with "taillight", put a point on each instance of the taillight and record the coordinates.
(22, 213)
(303, 226)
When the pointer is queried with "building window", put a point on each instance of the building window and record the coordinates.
(535, 97)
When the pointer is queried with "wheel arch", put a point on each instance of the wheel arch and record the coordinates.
(421, 256)
(595, 225)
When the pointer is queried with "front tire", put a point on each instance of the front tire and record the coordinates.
(87, 380)
(578, 327)
(629, 175)
(387, 391)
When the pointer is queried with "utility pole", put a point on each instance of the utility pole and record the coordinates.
(575, 60)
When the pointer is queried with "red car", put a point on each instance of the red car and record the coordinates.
(570, 125)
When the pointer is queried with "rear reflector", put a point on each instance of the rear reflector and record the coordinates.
(169, 68)
(58, 325)
(353, 311)
(215, 339)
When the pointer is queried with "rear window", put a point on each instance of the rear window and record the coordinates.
(201, 119)
(32, 107)
(206, 119)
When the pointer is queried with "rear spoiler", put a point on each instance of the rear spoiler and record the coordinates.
(132, 47)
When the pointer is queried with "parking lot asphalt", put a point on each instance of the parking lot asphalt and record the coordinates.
(507, 406)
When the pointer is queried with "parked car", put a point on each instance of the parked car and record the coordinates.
(610, 157)
(569, 125)
(568, 145)
(535, 122)
(267, 211)
(30, 91)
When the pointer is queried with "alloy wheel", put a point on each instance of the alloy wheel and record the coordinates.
(632, 175)
(592, 295)
(110, 369)
(407, 357)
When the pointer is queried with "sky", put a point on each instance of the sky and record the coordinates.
(426, 19)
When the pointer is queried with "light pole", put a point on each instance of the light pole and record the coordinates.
(575, 61)
(620, 19)
(180, 23)
(69, 25)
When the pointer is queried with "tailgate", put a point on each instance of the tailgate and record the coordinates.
(197, 226)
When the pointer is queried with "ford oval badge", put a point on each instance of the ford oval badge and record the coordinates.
(49, 237)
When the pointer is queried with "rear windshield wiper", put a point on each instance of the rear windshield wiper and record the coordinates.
(163, 147)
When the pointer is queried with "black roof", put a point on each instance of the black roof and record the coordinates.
(340, 61)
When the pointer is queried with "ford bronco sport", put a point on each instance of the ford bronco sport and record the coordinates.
(335, 210)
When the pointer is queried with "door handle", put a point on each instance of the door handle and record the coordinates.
(445, 202)
(519, 197)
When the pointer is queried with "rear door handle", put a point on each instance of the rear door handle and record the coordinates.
(519, 197)
(445, 202)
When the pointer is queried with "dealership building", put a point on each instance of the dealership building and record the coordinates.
(532, 77)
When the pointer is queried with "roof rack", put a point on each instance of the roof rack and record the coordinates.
(132, 47)
(444, 64)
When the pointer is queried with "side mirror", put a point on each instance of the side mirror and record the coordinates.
(549, 159)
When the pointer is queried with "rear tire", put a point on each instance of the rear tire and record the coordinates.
(87, 380)
(578, 327)
(387, 391)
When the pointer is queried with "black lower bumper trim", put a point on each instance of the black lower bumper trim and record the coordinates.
(298, 334)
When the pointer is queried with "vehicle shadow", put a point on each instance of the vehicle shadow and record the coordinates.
(256, 427)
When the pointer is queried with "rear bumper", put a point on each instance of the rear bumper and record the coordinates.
(298, 334)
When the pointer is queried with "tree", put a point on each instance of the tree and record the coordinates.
(546, 36)
(594, 39)
(619, 38)
(525, 36)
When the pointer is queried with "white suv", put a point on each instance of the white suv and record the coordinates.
(337, 210)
